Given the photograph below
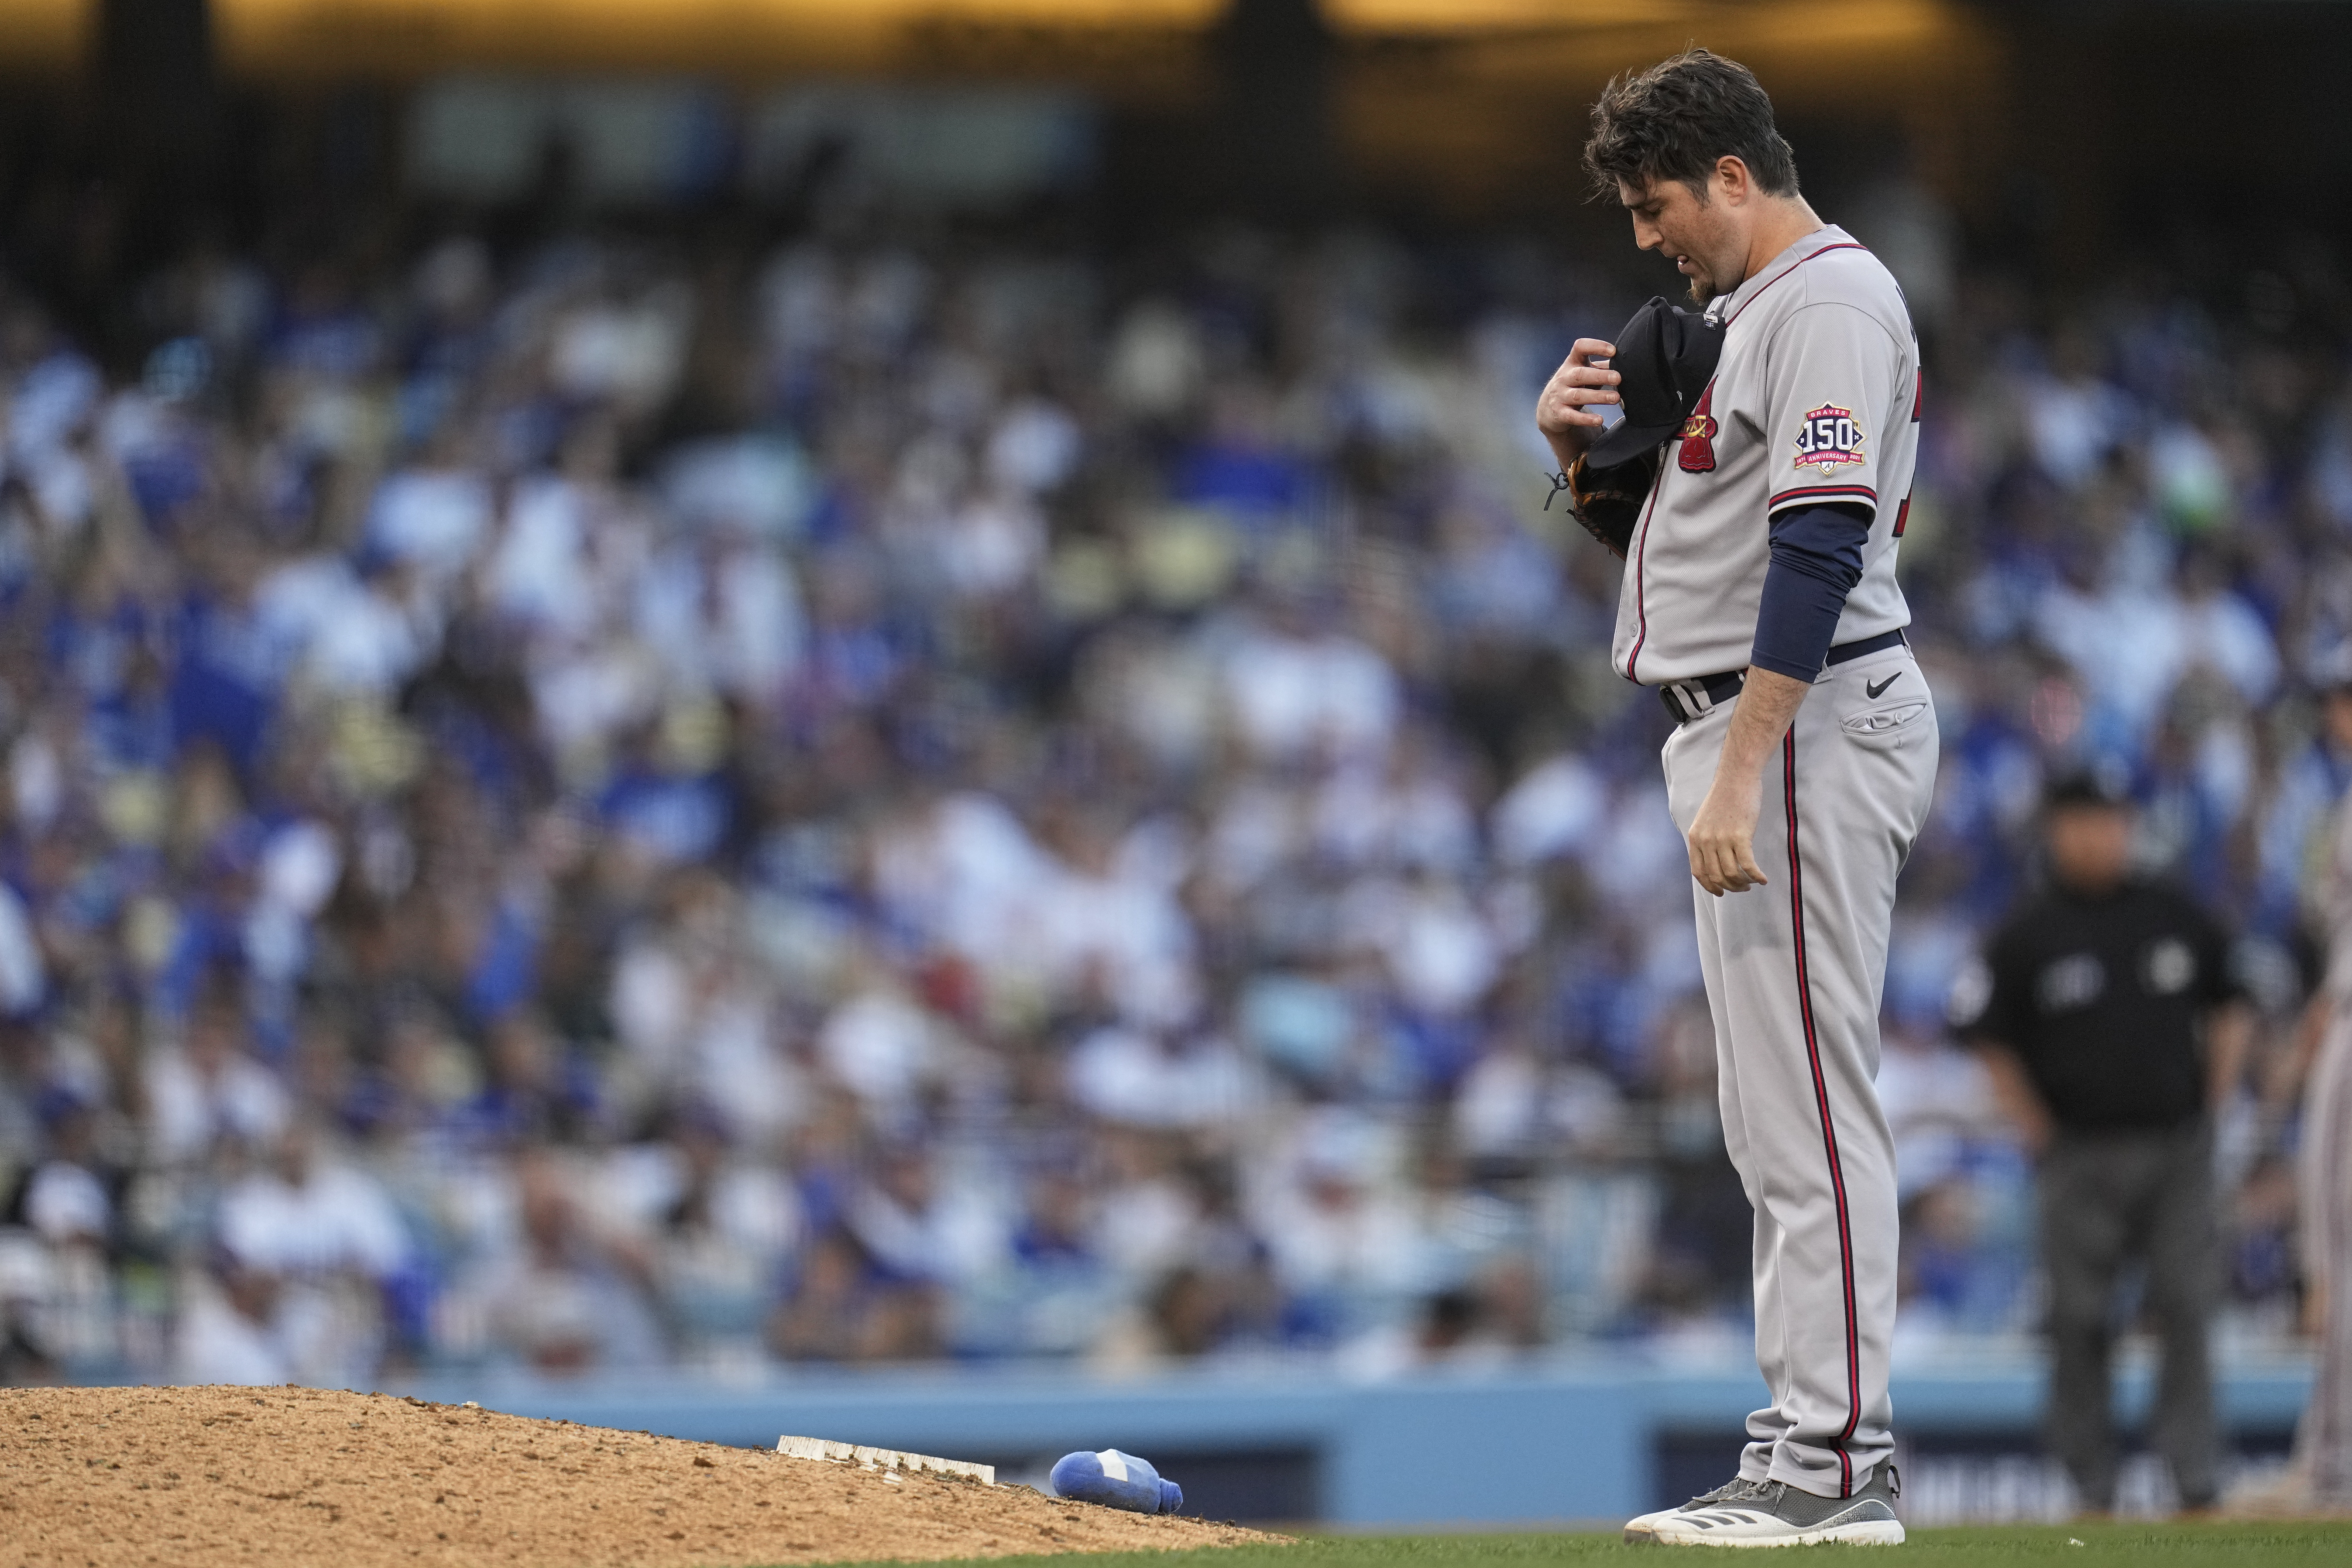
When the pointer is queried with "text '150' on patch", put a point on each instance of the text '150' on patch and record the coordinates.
(1828, 438)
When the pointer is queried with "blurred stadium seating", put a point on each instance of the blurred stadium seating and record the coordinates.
(656, 724)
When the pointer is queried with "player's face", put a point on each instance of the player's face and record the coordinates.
(1698, 237)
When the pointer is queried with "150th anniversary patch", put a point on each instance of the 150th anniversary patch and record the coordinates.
(1828, 438)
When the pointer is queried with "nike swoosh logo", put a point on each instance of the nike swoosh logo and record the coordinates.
(1875, 691)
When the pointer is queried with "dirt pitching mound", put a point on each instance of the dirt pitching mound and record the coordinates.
(93, 1478)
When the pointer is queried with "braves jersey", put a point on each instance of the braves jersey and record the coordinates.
(1815, 401)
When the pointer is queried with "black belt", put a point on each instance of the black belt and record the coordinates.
(1702, 695)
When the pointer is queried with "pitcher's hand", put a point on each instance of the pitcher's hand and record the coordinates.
(1574, 388)
(1722, 838)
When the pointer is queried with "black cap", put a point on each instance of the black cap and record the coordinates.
(2092, 786)
(1665, 358)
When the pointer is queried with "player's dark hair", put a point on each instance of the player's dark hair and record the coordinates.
(1675, 120)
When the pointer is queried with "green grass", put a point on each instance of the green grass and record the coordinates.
(2196, 1545)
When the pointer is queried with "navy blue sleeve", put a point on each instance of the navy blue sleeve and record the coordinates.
(1816, 562)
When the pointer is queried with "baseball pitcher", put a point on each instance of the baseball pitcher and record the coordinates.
(1755, 488)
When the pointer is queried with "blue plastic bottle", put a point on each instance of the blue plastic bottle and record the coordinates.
(1115, 1481)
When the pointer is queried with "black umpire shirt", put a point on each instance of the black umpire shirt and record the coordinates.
(2100, 997)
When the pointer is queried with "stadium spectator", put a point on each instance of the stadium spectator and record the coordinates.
(987, 794)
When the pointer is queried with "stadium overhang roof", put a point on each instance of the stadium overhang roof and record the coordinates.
(1471, 101)
(1097, 40)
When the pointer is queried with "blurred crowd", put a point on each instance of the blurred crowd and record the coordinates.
(611, 803)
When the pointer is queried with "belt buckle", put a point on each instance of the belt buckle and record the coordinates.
(1691, 699)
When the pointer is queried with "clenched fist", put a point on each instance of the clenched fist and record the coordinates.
(1722, 838)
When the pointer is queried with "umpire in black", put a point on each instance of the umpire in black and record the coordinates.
(2108, 1017)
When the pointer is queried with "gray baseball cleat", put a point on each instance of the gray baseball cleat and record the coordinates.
(1777, 1514)
(1642, 1530)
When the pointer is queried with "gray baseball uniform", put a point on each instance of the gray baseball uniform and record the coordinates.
(1816, 400)
(2324, 1439)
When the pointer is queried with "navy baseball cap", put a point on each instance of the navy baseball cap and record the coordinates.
(1664, 359)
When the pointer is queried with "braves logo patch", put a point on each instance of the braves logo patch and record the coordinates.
(1828, 438)
(1698, 455)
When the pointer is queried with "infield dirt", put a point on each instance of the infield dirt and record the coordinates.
(93, 1478)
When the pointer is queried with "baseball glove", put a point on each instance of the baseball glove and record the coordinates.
(1608, 501)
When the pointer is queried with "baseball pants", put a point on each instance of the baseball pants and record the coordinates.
(2107, 1199)
(2323, 1441)
(1794, 971)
